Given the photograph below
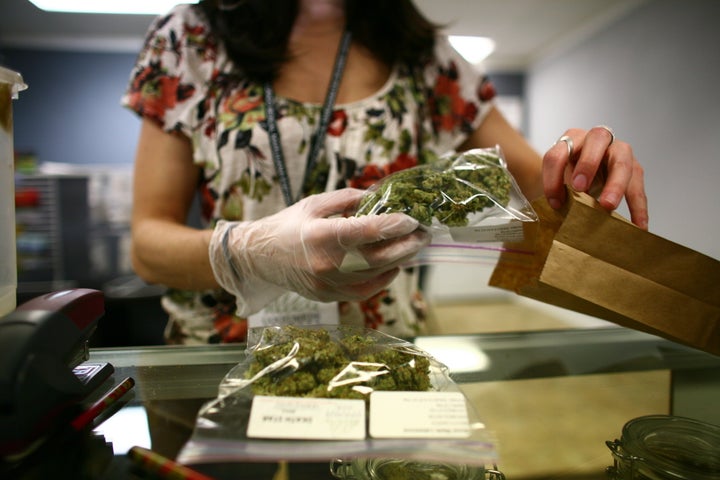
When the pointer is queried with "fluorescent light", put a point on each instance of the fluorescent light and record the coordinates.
(128, 7)
(474, 49)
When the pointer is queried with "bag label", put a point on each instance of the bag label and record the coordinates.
(418, 415)
(301, 418)
(507, 232)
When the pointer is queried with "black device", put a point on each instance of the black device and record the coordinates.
(44, 373)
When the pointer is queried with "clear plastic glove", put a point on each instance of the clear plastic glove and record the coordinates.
(301, 249)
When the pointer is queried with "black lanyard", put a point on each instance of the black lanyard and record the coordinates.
(317, 139)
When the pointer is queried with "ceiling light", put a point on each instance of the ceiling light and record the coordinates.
(128, 7)
(473, 49)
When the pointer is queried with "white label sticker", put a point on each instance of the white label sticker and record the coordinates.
(507, 232)
(418, 415)
(306, 418)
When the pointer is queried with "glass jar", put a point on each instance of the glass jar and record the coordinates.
(398, 469)
(665, 447)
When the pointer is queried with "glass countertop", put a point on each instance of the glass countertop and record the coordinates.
(172, 382)
(194, 371)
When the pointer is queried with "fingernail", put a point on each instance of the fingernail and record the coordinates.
(612, 199)
(554, 203)
(580, 183)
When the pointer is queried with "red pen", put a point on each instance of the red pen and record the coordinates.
(86, 417)
(155, 464)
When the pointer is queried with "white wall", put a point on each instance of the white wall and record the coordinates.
(654, 76)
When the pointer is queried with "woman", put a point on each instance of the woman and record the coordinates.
(232, 93)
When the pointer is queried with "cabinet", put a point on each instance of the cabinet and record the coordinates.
(51, 217)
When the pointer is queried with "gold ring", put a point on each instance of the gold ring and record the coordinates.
(610, 131)
(568, 141)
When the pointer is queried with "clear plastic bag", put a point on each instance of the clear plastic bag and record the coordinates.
(467, 197)
(289, 366)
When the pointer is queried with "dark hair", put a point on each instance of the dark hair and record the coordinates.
(255, 32)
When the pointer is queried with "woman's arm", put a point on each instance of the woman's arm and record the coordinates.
(596, 158)
(164, 250)
(524, 163)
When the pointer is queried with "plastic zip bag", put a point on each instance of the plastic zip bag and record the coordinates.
(288, 366)
(467, 197)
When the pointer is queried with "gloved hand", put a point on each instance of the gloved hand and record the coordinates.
(301, 249)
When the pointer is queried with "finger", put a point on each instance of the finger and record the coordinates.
(354, 231)
(625, 178)
(592, 149)
(637, 199)
(620, 162)
(555, 163)
(372, 259)
(327, 204)
(362, 255)
(396, 251)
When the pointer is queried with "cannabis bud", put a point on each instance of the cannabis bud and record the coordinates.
(449, 190)
(310, 362)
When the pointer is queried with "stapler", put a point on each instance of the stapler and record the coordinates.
(44, 372)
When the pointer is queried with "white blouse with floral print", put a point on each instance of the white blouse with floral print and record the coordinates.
(185, 81)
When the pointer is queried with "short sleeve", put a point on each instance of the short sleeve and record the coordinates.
(169, 80)
(459, 94)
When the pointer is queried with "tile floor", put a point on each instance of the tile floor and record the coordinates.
(553, 428)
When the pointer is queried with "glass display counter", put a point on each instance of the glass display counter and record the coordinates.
(171, 382)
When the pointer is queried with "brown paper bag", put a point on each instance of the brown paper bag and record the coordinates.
(584, 259)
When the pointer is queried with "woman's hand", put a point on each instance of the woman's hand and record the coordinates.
(595, 158)
(311, 249)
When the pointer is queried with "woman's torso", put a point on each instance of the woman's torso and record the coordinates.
(385, 120)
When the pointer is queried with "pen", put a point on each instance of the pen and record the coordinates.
(156, 464)
(86, 417)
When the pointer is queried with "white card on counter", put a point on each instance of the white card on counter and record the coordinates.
(418, 415)
(306, 418)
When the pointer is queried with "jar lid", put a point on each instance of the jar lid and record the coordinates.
(680, 447)
(14, 79)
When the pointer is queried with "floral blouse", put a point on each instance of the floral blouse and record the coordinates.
(183, 79)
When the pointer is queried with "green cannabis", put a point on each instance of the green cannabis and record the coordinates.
(312, 363)
(449, 190)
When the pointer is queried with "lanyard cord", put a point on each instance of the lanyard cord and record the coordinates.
(318, 138)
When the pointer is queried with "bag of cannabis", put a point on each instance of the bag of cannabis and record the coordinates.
(316, 394)
(466, 197)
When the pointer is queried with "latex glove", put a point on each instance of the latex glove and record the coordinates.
(303, 250)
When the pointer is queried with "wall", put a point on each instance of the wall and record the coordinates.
(652, 76)
(71, 111)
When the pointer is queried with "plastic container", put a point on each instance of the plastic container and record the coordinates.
(665, 447)
(10, 84)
